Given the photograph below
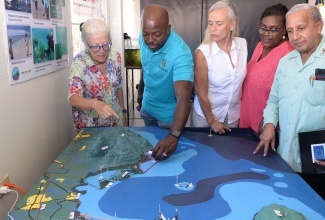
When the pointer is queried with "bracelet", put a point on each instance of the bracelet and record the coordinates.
(124, 111)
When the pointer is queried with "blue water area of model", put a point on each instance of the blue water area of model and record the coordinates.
(222, 188)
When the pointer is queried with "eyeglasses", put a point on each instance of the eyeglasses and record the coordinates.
(105, 46)
(262, 30)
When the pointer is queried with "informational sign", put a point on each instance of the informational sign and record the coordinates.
(37, 38)
(89, 8)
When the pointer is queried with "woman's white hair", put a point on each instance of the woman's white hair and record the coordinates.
(93, 26)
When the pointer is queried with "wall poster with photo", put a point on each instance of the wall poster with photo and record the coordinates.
(37, 38)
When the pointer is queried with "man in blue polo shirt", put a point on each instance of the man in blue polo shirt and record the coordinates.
(166, 80)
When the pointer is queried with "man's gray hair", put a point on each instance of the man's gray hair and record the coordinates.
(313, 11)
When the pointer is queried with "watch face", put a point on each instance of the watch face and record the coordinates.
(176, 133)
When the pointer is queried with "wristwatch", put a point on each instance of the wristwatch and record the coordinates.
(175, 133)
(124, 111)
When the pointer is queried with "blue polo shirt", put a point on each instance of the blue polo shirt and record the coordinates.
(172, 62)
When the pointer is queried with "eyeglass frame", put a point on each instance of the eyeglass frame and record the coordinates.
(109, 44)
(270, 31)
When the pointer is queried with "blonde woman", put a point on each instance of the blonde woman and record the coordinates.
(219, 71)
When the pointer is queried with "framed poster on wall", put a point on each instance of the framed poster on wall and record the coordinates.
(37, 38)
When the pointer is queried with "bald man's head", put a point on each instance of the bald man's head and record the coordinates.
(156, 14)
(155, 26)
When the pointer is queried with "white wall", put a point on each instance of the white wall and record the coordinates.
(123, 16)
(131, 17)
(36, 122)
(132, 26)
(114, 19)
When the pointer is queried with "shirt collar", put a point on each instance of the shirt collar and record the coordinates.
(216, 49)
(320, 51)
(86, 57)
(88, 61)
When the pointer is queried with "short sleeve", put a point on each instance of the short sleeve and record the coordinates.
(76, 79)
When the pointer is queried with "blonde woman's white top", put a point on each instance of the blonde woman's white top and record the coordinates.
(224, 81)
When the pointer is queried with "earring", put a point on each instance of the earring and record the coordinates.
(284, 37)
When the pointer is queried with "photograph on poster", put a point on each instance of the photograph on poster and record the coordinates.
(40, 9)
(18, 5)
(56, 9)
(15, 73)
(19, 41)
(61, 46)
(43, 44)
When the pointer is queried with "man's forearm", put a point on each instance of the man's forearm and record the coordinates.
(182, 111)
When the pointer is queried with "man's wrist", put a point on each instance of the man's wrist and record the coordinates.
(175, 133)
(269, 124)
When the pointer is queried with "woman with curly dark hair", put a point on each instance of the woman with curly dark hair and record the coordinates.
(261, 68)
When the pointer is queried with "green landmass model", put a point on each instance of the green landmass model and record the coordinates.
(117, 147)
(269, 213)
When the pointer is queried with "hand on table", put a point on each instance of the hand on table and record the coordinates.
(319, 162)
(104, 110)
(165, 148)
(219, 128)
(266, 138)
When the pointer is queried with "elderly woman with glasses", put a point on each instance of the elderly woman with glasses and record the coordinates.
(263, 64)
(95, 80)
